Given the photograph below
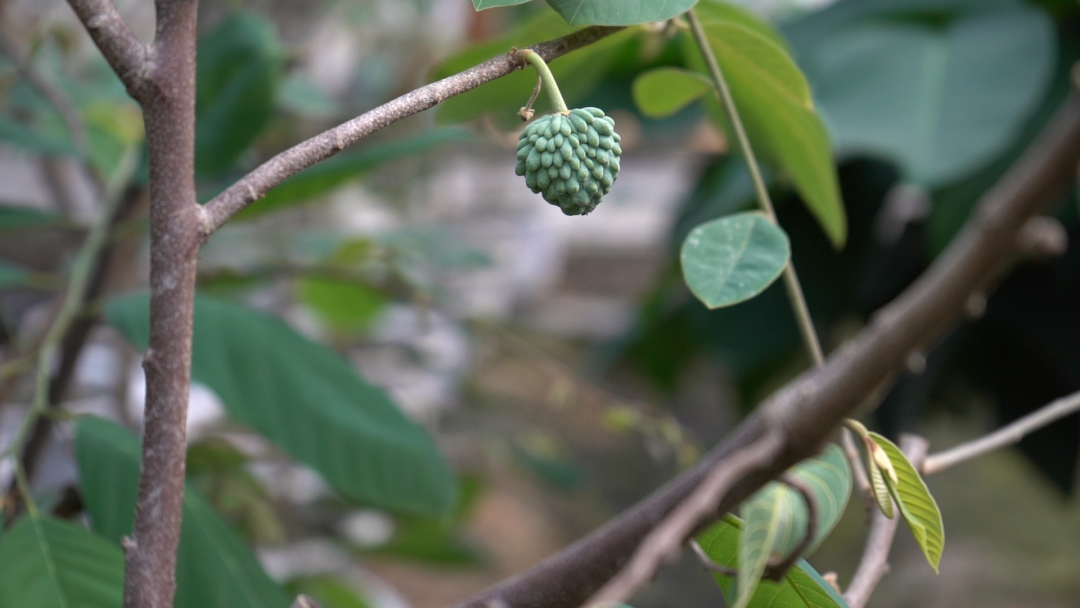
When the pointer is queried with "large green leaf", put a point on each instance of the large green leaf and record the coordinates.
(776, 516)
(801, 587)
(721, 10)
(918, 507)
(664, 91)
(214, 568)
(51, 563)
(939, 97)
(309, 401)
(777, 110)
(734, 258)
(342, 169)
(577, 73)
(239, 66)
(619, 12)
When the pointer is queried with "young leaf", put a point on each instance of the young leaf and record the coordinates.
(802, 586)
(239, 66)
(306, 399)
(918, 507)
(776, 516)
(880, 488)
(663, 91)
(734, 258)
(777, 110)
(214, 567)
(619, 12)
(53, 563)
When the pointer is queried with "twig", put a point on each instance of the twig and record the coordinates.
(254, 185)
(810, 408)
(875, 560)
(666, 540)
(128, 57)
(1004, 436)
(791, 280)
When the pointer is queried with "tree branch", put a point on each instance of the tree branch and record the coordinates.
(1004, 436)
(666, 540)
(254, 185)
(807, 410)
(129, 58)
(875, 560)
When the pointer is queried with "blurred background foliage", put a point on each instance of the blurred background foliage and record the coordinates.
(560, 364)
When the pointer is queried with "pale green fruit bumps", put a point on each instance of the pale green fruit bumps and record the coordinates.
(572, 159)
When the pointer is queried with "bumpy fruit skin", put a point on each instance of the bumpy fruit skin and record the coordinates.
(571, 159)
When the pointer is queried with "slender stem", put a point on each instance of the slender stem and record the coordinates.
(81, 272)
(552, 87)
(791, 280)
(1004, 436)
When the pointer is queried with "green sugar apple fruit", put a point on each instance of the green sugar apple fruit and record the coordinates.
(572, 159)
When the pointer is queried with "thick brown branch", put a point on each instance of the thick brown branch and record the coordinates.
(875, 560)
(169, 114)
(254, 185)
(666, 540)
(808, 409)
(128, 57)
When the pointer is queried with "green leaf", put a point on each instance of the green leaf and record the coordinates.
(18, 218)
(776, 108)
(344, 168)
(619, 12)
(776, 516)
(709, 11)
(802, 586)
(239, 66)
(53, 563)
(940, 99)
(438, 542)
(918, 507)
(734, 258)
(880, 488)
(577, 73)
(664, 91)
(214, 568)
(306, 399)
(486, 4)
(11, 276)
(343, 305)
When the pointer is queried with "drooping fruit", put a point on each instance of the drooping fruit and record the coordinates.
(572, 159)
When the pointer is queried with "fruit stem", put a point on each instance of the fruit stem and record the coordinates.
(550, 85)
